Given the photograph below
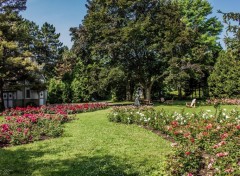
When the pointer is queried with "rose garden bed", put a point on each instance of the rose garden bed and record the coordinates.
(205, 144)
(24, 125)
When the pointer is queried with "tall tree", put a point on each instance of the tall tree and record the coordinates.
(48, 49)
(12, 5)
(141, 36)
(190, 70)
(15, 62)
(224, 80)
(233, 29)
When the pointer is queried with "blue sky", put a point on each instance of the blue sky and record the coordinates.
(64, 14)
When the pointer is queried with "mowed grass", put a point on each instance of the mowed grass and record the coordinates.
(90, 146)
(180, 106)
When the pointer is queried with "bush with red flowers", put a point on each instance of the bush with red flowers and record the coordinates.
(55, 109)
(224, 101)
(24, 125)
(30, 127)
(205, 144)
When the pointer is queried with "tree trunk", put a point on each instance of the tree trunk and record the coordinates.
(199, 91)
(179, 93)
(128, 91)
(148, 90)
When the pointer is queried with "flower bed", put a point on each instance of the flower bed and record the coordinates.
(31, 127)
(55, 109)
(205, 144)
(24, 125)
(224, 101)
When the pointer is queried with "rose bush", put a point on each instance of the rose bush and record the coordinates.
(205, 144)
(55, 109)
(224, 101)
(24, 125)
(31, 127)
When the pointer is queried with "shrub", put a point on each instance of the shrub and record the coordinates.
(30, 127)
(205, 144)
(55, 109)
(24, 125)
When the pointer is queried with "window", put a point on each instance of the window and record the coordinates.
(41, 94)
(28, 93)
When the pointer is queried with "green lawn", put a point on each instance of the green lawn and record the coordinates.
(91, 145)
(178, 107)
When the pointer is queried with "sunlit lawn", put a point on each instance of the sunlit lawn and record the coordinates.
(91, 145)
(179, 106)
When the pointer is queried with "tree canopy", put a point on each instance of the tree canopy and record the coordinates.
(25, 51)
(150, 40)
(224, 80)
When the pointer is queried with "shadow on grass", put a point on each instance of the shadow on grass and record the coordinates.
(22, 162)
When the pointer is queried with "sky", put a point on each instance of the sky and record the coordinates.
(64, 14)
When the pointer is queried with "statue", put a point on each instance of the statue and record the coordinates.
(138, 95)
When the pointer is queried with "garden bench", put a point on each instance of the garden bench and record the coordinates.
(191, 104)
(146, 102)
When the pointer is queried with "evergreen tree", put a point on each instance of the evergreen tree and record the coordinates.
(15, 62)
(7, 6)
(224, 81)
(233, 29)
(48, 49)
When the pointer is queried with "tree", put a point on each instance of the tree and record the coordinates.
(224, 81)
(190, 70)
(233, 22)
(65, 66)
(141, 36)
(48, 49)
(56, 91)
(12, 6)
(15, 62)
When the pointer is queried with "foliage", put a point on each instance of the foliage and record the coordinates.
(114, 81)
(48, 49)
(66, 65)
(55, 109)
(30, 127)
(56, 89)
(15, 60)
(190, 69)
(44, 45)
(79, 91)
(232, 39)
(224, 101)
(12, 5)
(138, 36)
(24, 125)
(224, 80)
(205, 144)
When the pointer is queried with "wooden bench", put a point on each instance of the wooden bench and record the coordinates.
(146, 102)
